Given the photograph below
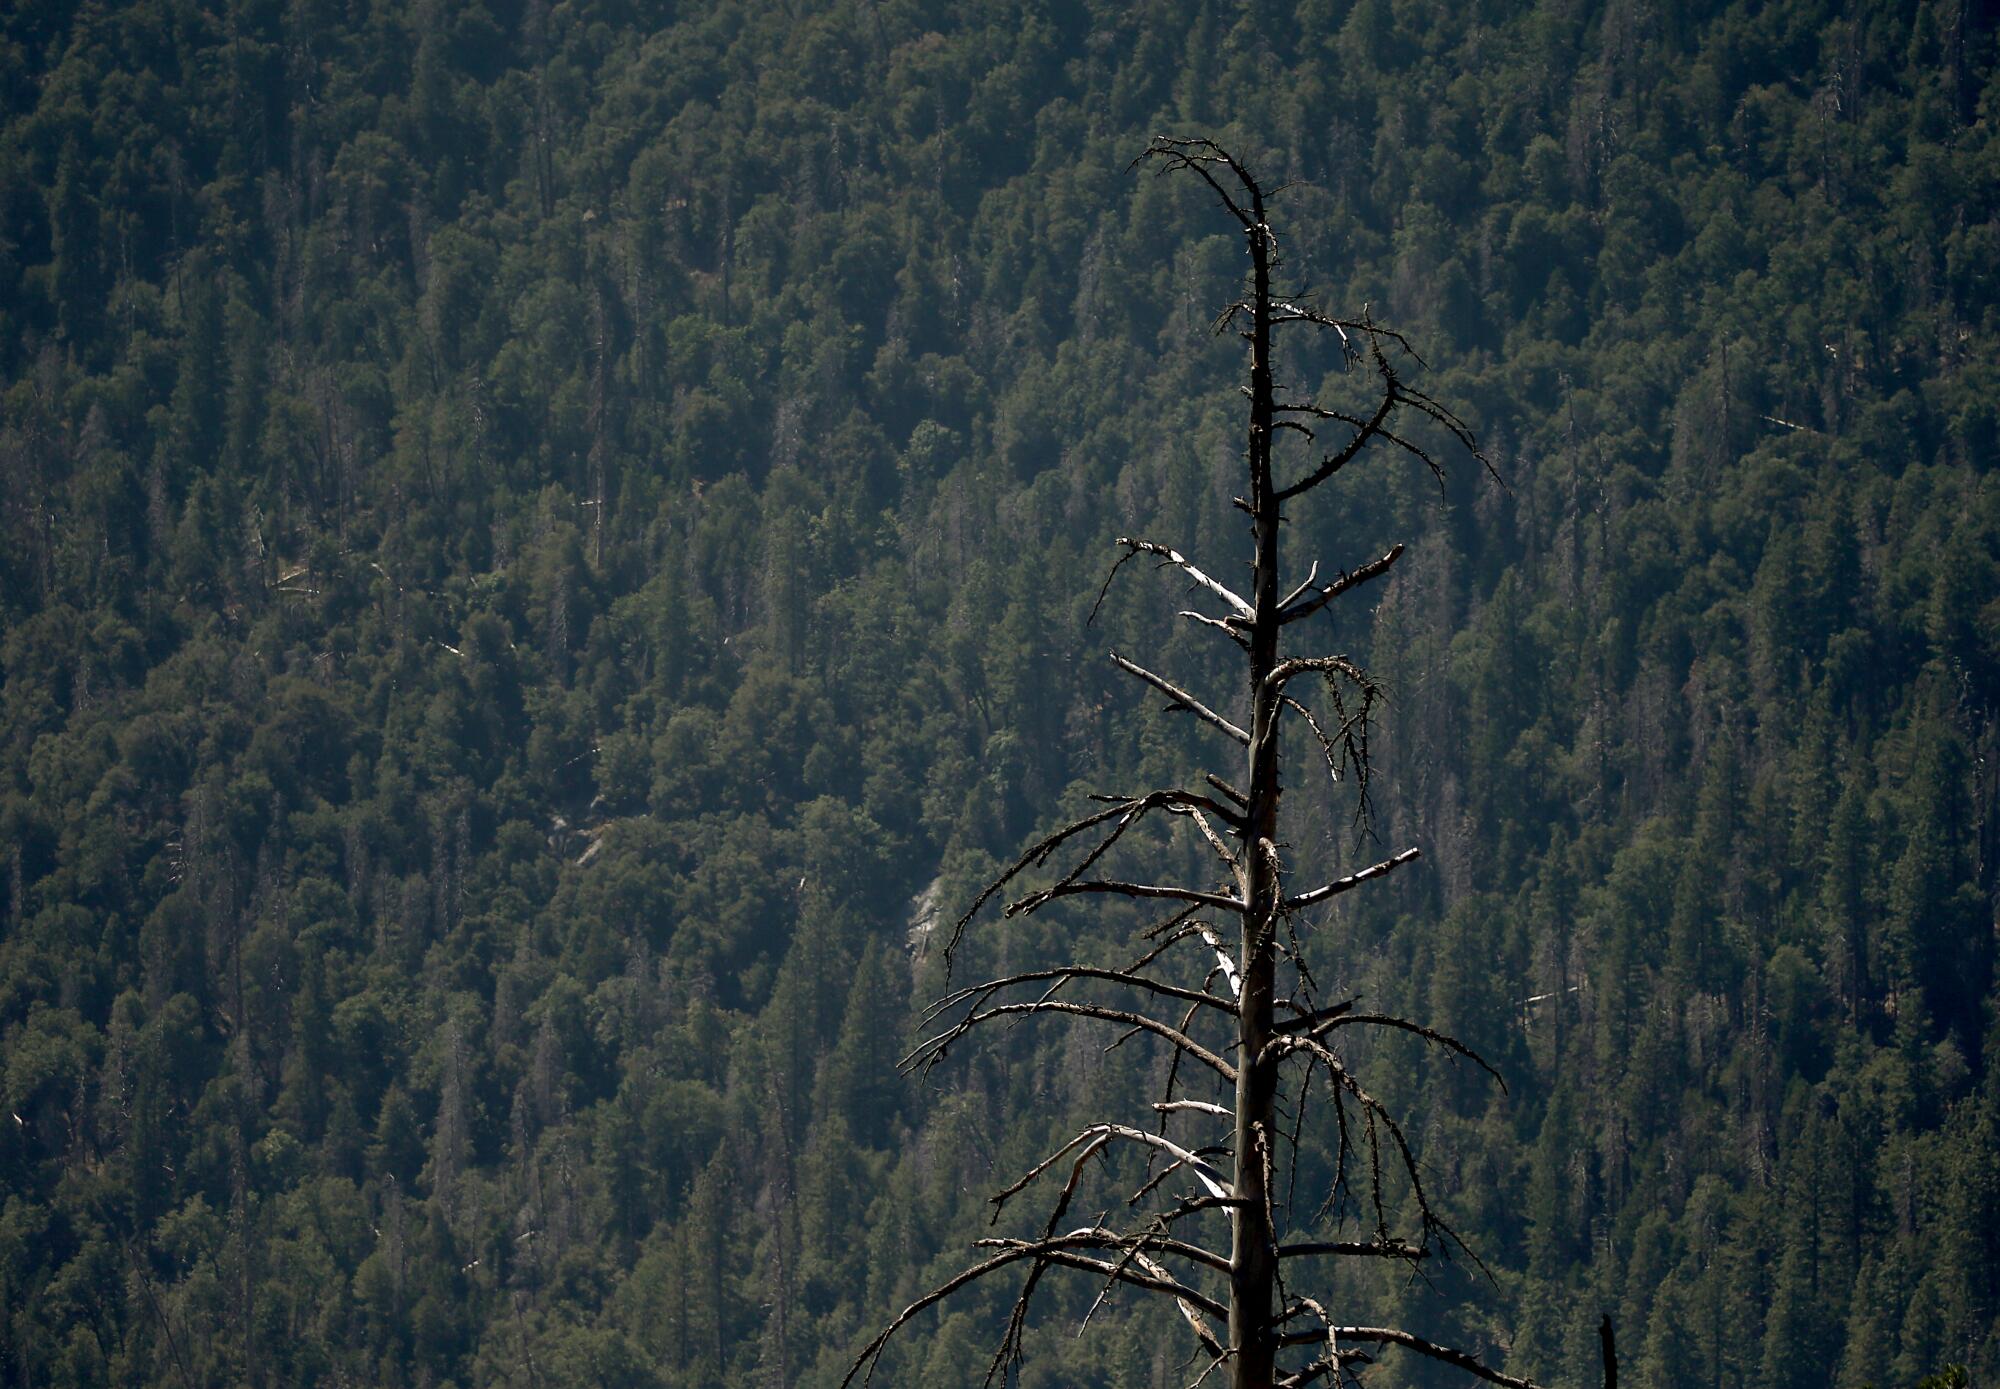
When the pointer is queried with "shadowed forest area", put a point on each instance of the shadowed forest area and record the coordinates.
(545, 548)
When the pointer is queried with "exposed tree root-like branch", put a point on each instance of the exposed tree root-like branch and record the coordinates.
(1226, 789)
(1286, 312)
(1346, 747)
(1173, 154)
(1304, 584)
(1309, 1021)
(1335, 1359)
(1017, 1319)
(1223, 962)
(1456, 427)
(1215, 842)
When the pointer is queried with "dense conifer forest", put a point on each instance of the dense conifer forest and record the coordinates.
(544, 548)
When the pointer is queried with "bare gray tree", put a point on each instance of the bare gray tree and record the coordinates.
(1254, 1028)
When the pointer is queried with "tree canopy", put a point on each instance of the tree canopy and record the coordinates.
(547, 545)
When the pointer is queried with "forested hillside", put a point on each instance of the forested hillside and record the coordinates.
(542, 546)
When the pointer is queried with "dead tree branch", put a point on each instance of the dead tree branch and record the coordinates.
(871, 1353)
(1252, 962)
(981, 992)
(1352, 880)
(1237, 605)
(1385, 1335)
(932, 1050)
(1181, 698)
(1116, 888)
(1350, 579)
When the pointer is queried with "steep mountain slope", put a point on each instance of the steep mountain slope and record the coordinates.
(535, 536)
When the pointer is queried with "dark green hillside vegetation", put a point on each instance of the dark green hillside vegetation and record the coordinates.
(541, 545)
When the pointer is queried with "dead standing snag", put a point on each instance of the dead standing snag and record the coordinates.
(1252, 1026)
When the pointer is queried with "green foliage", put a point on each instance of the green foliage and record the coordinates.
(546, 545)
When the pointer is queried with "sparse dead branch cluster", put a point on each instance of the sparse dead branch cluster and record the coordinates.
(1211, 1222)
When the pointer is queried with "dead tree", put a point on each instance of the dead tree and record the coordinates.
(1208, 1235)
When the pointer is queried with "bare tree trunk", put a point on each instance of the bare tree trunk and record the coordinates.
(1254, 1011)
(1252, 1257)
